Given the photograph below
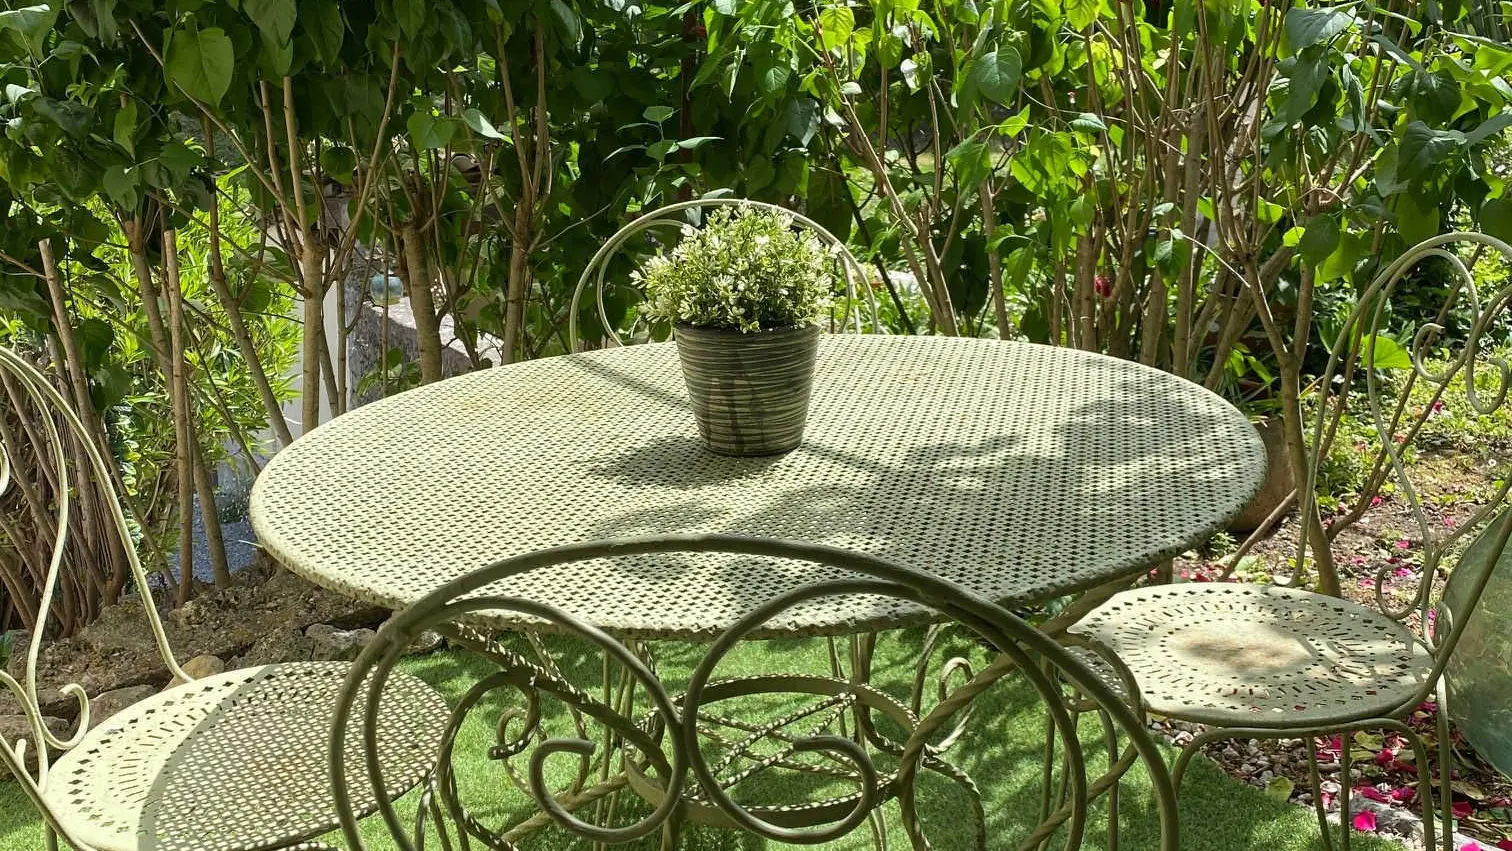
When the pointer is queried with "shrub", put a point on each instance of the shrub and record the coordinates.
(746, 270)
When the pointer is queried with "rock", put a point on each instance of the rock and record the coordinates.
(105, 705)
(1278, 483)
(329, 644)
(428, 641)
(13, 727)
(280, 645)
(15, 665)
(200, 667)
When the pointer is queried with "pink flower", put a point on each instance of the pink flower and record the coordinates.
(1403, 544)
(1374, 501)
(1438, 405)
(1364, 821)
(1103, 285)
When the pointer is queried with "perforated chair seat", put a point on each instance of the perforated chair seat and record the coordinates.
(236, 762)
(1240, 655)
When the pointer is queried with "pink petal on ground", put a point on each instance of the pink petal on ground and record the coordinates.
(1403, 794)
(1372, 793)
(1403, 544)
(1449, 521)
(1462, 809)
(1505, 845)
(1374, 501)
(1403, 571)
(1472, 845)
(1385, 756)
(1364, 821)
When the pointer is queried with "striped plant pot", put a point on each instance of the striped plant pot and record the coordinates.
(749, 392)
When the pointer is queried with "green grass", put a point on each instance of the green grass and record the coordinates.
(1002, 752)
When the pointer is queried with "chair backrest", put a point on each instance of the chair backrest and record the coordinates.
(667, 742)
(38, 413)
(1403, 389)
(596, 274)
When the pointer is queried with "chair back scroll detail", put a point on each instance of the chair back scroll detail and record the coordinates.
(597, 271)
(685, 778)
(25, 385)
(1354, 353)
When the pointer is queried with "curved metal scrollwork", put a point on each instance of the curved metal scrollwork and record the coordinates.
(40, 409)
(597, 271)
(665, 751)
(1397, 421)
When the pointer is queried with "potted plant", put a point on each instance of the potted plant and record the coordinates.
(744, 295)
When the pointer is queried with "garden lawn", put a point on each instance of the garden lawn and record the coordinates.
(1002, 751)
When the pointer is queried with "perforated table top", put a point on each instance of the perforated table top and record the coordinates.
(1021, 471)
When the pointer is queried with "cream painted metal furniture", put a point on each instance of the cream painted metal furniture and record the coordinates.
(672, 752)
(1256, 661)
(1022, 472)
(232, 762)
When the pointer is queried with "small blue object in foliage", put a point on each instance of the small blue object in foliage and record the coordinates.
(386, 289)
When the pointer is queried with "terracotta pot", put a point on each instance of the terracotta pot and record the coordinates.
(1278, 483)
(749, 392)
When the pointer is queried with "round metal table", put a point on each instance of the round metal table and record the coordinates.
(1021, 471)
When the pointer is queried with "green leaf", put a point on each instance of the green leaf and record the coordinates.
(1280, 788)
(971, 160)
(275, 18)
(339, 163)
(1495, 218)
(995, 76)
(659, 150)
(323, 23)
(773, 78)
(411, 16)
(658, 114)
(123, 131)
(1088, 123)
(1417, 216)
(480, 124)
(1081, 14)
(95, 17)
(1306, 27)
(696, 142)
(428, 131)
(1493, 126)
(1382, 352)
(725, 7)
(1320, 240)
(1015, 124)
(121, 186)
(1435, 96)
(1422, 148)
(200, 62)
(836, 24)
(31, 23)
(567, 19)
(110, 384)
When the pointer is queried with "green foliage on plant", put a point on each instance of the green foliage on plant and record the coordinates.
(746, 270)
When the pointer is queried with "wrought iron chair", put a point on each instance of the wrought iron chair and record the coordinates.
(231, 762)
(670, 739)
(1276, 661)
(596, 274)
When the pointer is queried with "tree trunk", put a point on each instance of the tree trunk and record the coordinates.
(182, 431)
(312, 278)
(417, 282)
